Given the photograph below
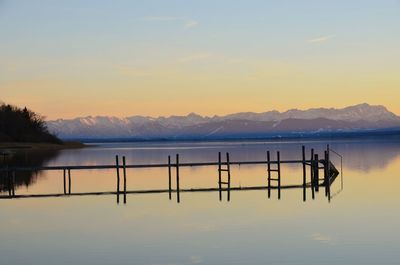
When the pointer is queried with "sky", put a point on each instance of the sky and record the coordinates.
(66, 59)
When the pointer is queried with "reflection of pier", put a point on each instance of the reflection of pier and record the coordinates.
(322, 173)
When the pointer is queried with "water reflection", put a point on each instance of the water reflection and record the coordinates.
(312, 182)
(360, 224)
(359, 156)
(25, 158)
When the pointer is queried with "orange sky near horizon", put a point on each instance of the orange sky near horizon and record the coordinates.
(205, 93)
(201, 101)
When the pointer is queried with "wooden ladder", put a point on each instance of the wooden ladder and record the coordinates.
(228, 171)
(270, 171)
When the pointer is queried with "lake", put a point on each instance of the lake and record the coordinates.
(358, 226)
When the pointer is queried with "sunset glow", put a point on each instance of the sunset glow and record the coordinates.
(157, 58)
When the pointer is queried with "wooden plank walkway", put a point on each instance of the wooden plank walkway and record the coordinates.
(198, 164)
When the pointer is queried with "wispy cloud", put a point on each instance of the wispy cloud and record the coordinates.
(195, 57)
(321, 39)
(187, 23)
(191, 24)
(195, 260)
(321, 238)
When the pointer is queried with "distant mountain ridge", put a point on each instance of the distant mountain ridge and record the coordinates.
(238, 125)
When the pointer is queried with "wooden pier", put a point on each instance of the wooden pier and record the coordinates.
(224, 163)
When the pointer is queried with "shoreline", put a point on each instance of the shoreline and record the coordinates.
(41, 146)
(384, 134)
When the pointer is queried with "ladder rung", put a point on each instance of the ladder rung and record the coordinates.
(274, 170)
(222, 182)
(273, 179)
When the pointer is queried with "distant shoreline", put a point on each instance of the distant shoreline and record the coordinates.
(41, 146)
(376, 134)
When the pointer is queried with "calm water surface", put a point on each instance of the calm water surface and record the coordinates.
(359, 225)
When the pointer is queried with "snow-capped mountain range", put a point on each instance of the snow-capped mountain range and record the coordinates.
(238, 125)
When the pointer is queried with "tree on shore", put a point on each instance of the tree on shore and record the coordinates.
(23, 125)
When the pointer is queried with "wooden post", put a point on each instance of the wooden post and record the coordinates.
(229, 176)
(178, 199)
(316, 174)
(325, 172)
(169, 178)
(124, 171)
(219, 176)
(304, 172)
(118, 177)
(269, 173)
(279, 175)
(9, 183)
(13, 183)
(65, 181)
(329, 172)
(312, 175)
(69, 181)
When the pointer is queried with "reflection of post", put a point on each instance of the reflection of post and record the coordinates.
(8, 181)
(316, 174)
(279, 174)
(304, 172)
(169, 178)
(329, 172)
(312, 175)
(178, 199)
(65, 182)
(13, 183)
(118, 178)
(229, 176)
(269, 173)
(69, 181)
(124, 168)
(219, 176)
